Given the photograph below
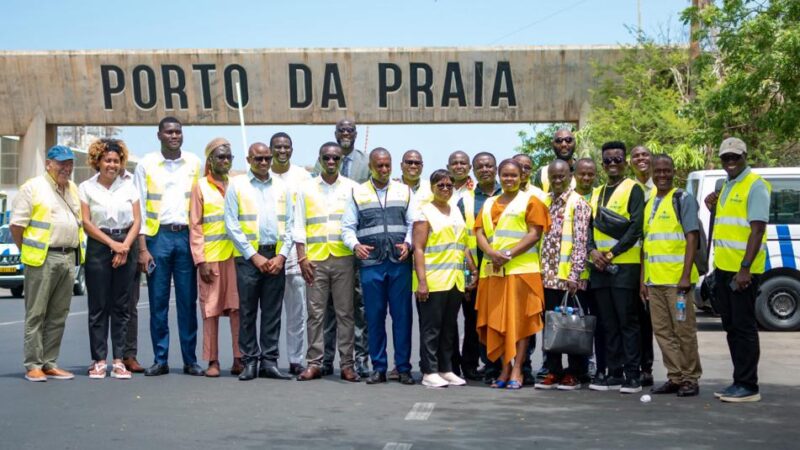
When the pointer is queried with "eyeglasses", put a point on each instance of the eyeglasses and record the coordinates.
(260, 159)
(224, 157)
(613, 160)
(567, 139)
(730, 157)
(409, 162)
(346, 130)
(444, 186)
(331, 158)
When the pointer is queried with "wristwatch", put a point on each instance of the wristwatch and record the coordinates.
(746, 264)
(507, 253)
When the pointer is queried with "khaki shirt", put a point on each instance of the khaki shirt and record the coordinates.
(65, 211)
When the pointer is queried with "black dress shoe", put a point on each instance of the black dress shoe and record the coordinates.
(194, 370)
(646, 378)
(472, 374)
(250, 371)
(406, 378)
(667, 388)
(156, 370)
(688, 389)
(272, 372)
(376, 377)
(296, 369)
(327, 369)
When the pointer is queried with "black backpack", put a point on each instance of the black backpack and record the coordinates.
(701, 255)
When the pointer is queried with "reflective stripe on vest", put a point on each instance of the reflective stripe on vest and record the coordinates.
(381, 226)
(510, 229)
(731, 229)
(444, 250)
(155, 179)
(36, 236)
(567, 228)
(664, 244)
(324, 220)
(216, 244)
(619, 204)
(248, 210)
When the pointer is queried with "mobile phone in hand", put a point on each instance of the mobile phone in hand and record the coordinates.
(733, 285)
(151, 267)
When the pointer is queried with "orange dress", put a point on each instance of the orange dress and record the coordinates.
(510, 308)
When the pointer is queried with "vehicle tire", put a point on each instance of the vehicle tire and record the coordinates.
(17, 291)
(80, 283)
(778, 304)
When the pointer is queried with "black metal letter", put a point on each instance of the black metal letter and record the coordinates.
(294, 99)
(150, 79)
(452, 75)
(230, 90)
(503, 72)
(383, 88)
(205, 82)
(170, 90)
(108, 90)
(424, 88)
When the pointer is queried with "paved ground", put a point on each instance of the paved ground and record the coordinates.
(178, 411)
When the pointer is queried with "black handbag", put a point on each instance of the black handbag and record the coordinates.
(609, 222)
(572, 334)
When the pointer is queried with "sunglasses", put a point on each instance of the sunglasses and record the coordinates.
(409, 162)
(559, 140)
(444, 186)
(613, 160)
(260, 159)
(224, 157)
(730, 157)
(346, 130)
(336, 158)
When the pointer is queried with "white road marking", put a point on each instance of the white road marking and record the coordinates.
(420, 411)
(397, 446)
(77, 313)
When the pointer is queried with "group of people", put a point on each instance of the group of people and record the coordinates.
(342, 249)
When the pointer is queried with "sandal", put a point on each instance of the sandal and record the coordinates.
(499, 384)
(514, 384)
(121, 372)
(97, 371)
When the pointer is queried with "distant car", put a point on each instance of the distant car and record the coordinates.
(12, 270)
(778, 302)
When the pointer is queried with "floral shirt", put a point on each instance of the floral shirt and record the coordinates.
(551, 242)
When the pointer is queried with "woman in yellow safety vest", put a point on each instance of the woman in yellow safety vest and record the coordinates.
(111, 218)
(510, 296)
(440, 254)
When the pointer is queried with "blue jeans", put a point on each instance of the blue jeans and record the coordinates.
(388, 284)
(170, 251)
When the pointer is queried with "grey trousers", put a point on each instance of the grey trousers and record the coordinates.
(360, 330)
(333, 278)
(48, 293)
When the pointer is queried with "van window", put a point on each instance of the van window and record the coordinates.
(693, 187)
(784, 207)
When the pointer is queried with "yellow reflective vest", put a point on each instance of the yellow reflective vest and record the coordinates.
(511, 228)
(323, 216)
(216, 244)
(567, 232)
(444, 250)
(664, 244)
(156, 176)
(247, 199)
(731, 229)
(619, 204)
(36, 236)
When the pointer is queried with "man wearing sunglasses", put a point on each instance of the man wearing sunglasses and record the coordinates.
(355, 166)
(614, 277)
(212, 251)
(258, 218)
(327, 265)
(411, 167)
(742, 213)
(294, 296)
(564, 149)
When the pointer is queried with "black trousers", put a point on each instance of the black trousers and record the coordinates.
(131, 347)
(645, 336)
(359, 317)
(737, 309)
(265, 291)
(108, 290)
(620, 320)
(467, 357)
(576, 364)
(438, 329)
(590, 303)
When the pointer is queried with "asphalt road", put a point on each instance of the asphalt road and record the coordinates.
(183, 412)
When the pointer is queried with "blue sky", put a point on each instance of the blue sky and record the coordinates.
(144, 24)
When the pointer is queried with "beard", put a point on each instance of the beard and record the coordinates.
(566, 157)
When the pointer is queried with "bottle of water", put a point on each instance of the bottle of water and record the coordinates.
(558, 309)
(680, 306)
(570, 310)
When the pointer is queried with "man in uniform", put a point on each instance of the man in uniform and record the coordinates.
(46, 226)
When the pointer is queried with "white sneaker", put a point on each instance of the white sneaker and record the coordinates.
(433, 380)
(453, 379)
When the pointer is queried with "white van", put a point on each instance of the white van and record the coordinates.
(778, 303)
